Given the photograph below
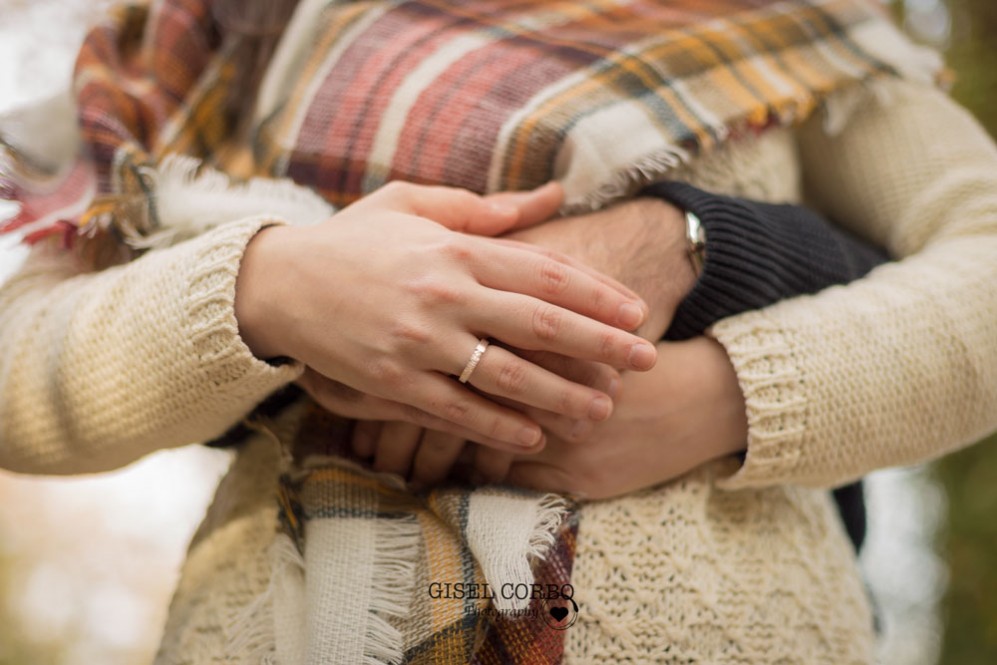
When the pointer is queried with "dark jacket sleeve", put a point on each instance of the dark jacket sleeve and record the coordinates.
(758, 254)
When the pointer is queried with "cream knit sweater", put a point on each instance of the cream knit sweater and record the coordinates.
(729, 564)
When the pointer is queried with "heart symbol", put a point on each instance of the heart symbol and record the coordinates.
(559, 613)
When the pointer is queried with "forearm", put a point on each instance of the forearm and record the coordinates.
(99, 369)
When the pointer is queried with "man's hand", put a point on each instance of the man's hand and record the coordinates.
(640, 243)
(687, 411)
(426, 451)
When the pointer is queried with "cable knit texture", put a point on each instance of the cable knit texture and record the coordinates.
(897, 367)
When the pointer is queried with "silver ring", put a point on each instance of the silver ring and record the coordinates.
(479, 351)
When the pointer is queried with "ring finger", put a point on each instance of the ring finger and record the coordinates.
(504, 374)
(535, 325)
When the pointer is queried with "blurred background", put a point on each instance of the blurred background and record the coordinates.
(87, 565)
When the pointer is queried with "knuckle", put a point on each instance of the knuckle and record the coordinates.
(607, 344)
(546, 322)
(597, 299)
(385, 371)
(512, 378)
(568, 403)
(414, 415)
(464, 198)
(437, 292)
(457, 249)
(574, 437)
(410, 334)
(495, 428)
(548, 253)
(554, 277)
(457, 411)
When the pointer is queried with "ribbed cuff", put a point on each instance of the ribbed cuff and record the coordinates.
(213, 331)
(758, 254)
(775, 398)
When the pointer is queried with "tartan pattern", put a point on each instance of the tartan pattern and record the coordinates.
(144, 89)
(437, 631)
(446, 630)
(479, 94)
(486, 95)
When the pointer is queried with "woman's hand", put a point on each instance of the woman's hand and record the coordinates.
(640, 242)
(687, 411)
(387, 302)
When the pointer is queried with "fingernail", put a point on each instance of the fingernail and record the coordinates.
(600, 408)
(503, 209)
(529, 437)
(642, 356)
(630, 315)
(581, 429)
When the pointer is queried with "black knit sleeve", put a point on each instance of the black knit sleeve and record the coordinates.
(758, 254)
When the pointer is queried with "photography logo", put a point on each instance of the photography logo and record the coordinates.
(560, 612)
(554, 604)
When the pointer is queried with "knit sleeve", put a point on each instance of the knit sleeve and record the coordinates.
(901, 366)
(98, 369)
(758, 254)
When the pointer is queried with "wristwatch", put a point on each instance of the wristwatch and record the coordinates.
(695, 236)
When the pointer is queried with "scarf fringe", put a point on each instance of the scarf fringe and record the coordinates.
(551, 513)
(392, 590)
(627, 181)
(251, 631)
(190, 198)
(514, 564)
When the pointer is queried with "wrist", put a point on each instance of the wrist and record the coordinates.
(728, 424)
(668, 275)
(258, 300)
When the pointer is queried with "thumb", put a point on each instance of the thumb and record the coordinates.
(493, 215)
(533, 207)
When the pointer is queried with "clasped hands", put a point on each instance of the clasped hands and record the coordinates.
(384, 303)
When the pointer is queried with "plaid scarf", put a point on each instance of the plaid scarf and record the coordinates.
(603, 95)
(365, 571)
